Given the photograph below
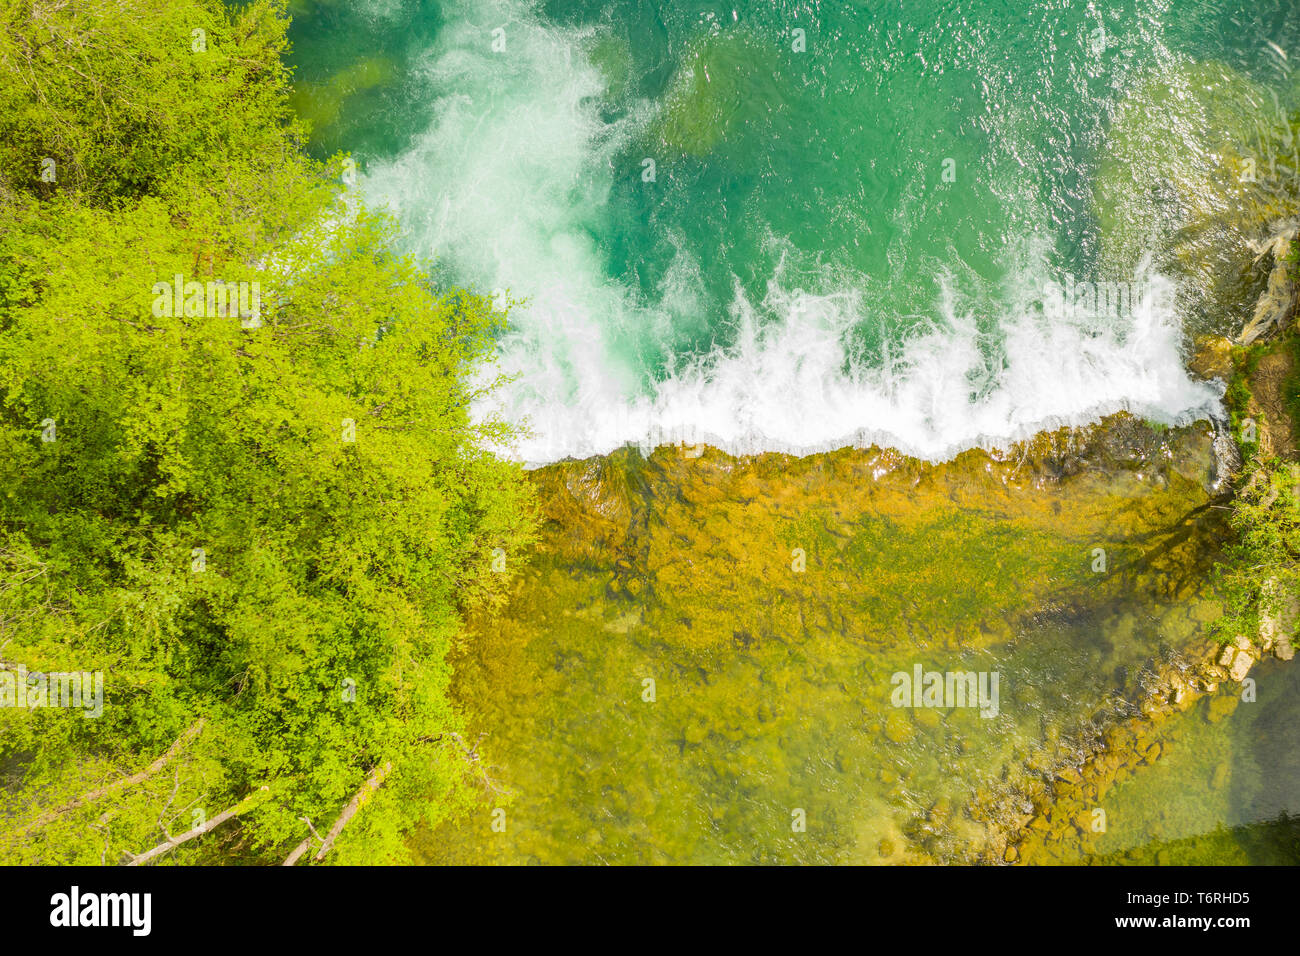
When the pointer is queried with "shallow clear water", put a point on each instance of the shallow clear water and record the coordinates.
(1223, 791)
(773, 689)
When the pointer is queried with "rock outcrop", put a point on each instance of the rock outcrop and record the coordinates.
(1277, 306)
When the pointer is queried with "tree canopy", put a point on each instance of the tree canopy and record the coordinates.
(261, 521)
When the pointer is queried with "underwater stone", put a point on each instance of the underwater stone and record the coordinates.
(1241, 665)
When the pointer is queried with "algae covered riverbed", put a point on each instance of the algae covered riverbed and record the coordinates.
(666, 687)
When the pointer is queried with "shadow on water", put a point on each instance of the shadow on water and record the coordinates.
(1225, 789)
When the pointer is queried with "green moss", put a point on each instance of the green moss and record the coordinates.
(1291, 387)
(1237, 396)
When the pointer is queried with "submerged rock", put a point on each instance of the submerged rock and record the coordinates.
(1221, 706)
(1212, 357)
(1194, 175)
(725, 87)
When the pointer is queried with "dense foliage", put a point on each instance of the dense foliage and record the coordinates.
(262, 525)
(1260, 574)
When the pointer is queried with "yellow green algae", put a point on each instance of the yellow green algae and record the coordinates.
(1205, 772)
(771, 697)
(726, 80)
(322, 104)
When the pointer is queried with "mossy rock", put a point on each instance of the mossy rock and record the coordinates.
(322, 104)
(1221, 706)
(723, 88)
(898, 728)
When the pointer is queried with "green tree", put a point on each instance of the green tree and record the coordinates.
(1259, 576)
(261, 522)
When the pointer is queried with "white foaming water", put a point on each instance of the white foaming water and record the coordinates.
(783, 386)
(505, 189)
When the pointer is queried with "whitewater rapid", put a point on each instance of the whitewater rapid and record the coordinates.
(505, 187)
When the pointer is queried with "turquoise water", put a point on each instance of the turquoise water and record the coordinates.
(849, 231)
